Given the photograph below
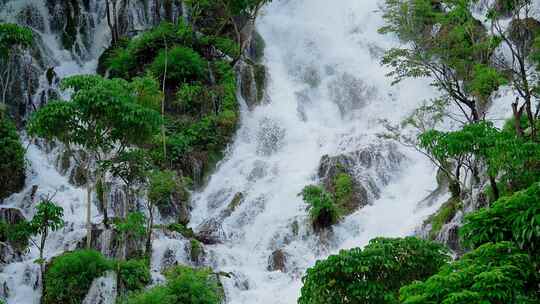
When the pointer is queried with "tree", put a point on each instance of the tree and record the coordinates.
(493, 273)
(104, 116)
(449, 45)
(48, 217)
(132, 167)
(374, 274)
(12, 38)
(518, 39)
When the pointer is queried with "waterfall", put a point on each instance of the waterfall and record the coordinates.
(327, 95)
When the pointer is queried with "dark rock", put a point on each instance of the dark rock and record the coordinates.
(252, 83)
(210, 231)
(277, 261)
(11, 215)
(111, 244)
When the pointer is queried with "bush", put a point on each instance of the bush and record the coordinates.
(69, 276)
(513, 218)
(15, 234)
(134, 275)
(372, 275)
(323, 210)
(12, 164)
(183, 65)
(128, 61)
(184, 285)
(493, 273)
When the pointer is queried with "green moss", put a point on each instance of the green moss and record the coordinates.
(196, 250)
(12, 163)
(183, 230)
(323, 210)
(182, 65)
(343, 187)
(69, 276)
(443, 216)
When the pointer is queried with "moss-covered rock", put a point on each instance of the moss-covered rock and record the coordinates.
(443, 216)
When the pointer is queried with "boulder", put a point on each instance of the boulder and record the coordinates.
(277, 261)
(210, 231)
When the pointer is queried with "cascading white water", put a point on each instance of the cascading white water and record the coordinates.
(327, 94)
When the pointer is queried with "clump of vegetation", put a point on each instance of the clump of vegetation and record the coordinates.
(493, 273)
(343, 191)
(184, 285)
(12, 162)
(69, 276)
(181, 65)
(133, 275)
(322, 207)
(374, 274)
(514, 218)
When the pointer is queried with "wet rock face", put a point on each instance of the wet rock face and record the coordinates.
(112, 244)
(11, 216)
(350, 93)
(368, 170)
(253, 79)
(103, 290)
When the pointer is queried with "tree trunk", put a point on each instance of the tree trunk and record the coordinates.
(517, 118)
(88, 207)
(494, 187)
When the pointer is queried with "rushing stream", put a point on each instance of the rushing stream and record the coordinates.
(327, 95)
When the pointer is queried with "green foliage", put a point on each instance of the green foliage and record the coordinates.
(131, 166)
(13, 36)
(15, 234)
(131, 60)
(513, 218)
(102, 113)
(162, 185)
(485, 81)
(183, 65)
(133, 226)
(514, 157)
(372, 275)
(49, 216)
(323, 210)
(493, 273)
(134, 275)
(196, 250)
(70, 275)
(184, 285)
(12, 163)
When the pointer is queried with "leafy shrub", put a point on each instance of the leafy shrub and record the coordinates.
(131, 60)
(69, 276)
(12, 164)
(493, 273)
(183, 65)
(133, 274)
(184, 285)
(513, 218)
(323, 210)
(372, 275)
